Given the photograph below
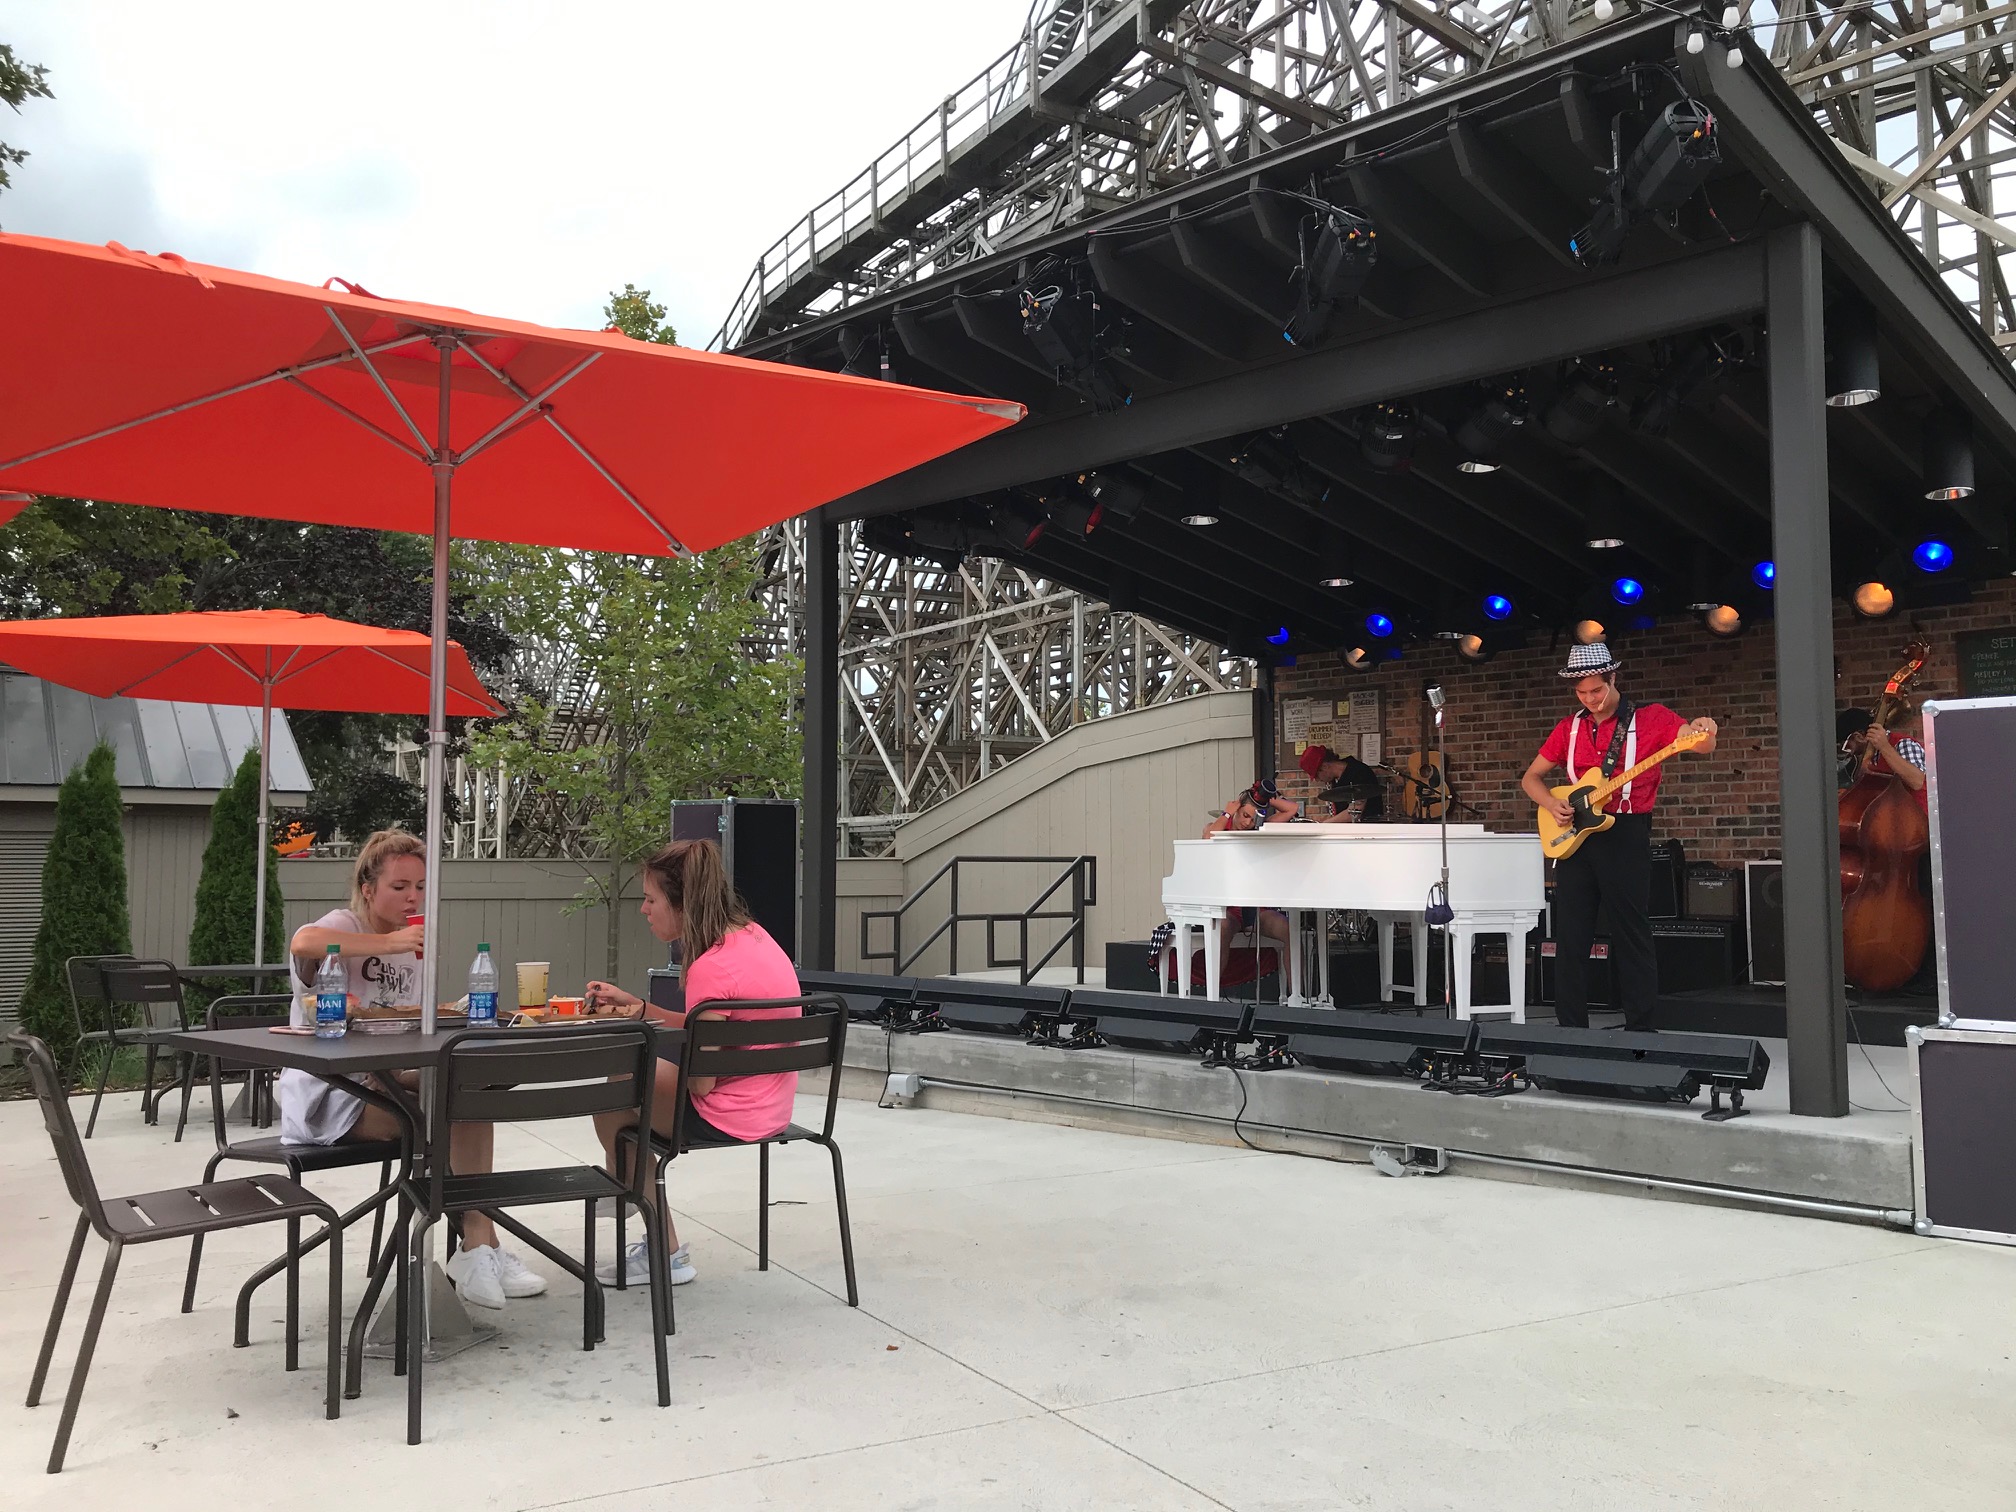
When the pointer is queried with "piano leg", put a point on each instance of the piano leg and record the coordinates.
(1386, 933)
(1417, 931)
(1294, 959)
(1212, 941)
(1323, 998)
(1182, 958)
(1515, 962)
(1463, 944)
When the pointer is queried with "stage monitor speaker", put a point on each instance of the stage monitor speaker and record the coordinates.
(1157, 1023)
(1669, 871)
(1621, 1063)
(1967, 746)
(1128, 968)
(1694, 953)
(1764, 921)
(990, 1007)
(1713, 892)
(1370, 1044)
(759, 848)
(666, 991)
(1966, 1165)
(869, 999)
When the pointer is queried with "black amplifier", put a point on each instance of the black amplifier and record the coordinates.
(1714, 892)
(1695, 953)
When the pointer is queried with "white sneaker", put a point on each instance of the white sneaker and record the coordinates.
(637, 1267)
(518, 1279)
(478, 1274)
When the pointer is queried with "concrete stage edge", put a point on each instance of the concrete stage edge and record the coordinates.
(1862, 1162)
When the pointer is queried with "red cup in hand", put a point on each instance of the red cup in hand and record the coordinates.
(416, 921)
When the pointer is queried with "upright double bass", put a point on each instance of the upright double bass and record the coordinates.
(1886, 919)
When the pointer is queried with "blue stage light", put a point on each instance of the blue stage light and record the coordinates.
(1627, 590)
(1497, 607)
(1279, 637)
(1765, 574)
(1380, 625)
(1932, 556)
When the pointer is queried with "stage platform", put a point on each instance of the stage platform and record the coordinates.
(1862, 1161)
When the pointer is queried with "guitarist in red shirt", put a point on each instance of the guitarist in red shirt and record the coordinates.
(1615, 867)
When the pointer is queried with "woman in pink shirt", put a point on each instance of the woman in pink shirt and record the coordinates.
(688, 900)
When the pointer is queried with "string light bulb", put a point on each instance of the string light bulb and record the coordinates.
(1604, 10)
(1735, 58)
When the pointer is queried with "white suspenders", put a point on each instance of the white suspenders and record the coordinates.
(1630, 749)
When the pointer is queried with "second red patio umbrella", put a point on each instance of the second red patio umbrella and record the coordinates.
(272, 658)
(152, 380)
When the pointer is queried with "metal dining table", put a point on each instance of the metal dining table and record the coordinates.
(346, 1062)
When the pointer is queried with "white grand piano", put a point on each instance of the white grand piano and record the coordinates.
(1496, 885)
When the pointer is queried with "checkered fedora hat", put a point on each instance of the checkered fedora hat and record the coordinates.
(1592, 660)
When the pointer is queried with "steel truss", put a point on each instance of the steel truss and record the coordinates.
(951, 671)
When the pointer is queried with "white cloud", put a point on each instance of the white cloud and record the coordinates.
(515, 158)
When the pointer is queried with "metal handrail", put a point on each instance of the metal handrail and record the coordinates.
(1081, 873)
(926, 148)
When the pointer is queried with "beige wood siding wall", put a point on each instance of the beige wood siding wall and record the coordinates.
(1120, 789)
(164, 860)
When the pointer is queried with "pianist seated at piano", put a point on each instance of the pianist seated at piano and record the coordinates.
(1249, 810)
(1348, 785)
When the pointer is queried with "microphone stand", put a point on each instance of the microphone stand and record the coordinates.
(1448, 928)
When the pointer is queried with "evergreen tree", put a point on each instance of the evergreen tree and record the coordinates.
(226, 890)
(83, 897)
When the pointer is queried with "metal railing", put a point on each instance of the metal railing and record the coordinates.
(1080, 874)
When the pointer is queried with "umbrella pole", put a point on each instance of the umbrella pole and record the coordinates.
(265, 835)
(437, 695)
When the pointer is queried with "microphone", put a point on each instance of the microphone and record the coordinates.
(1433, 693)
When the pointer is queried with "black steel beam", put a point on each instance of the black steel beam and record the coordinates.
(1126, 272)
(936, 341)
(996, 325)
(1253, 284)
(1816, 1004)
(1685, 294)
(1406, 213)
(1531, 205)
(820, 896)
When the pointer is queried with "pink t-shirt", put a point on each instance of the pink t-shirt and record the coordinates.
(744, 964)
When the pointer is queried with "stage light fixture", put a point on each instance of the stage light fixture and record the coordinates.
(1589, 631)
(1269, 462)
(1333, 559)
(1933, 555)
(1765, 574)
(1672, 160)
(1626, 590)
(1119, 496)
(1588, 394)
(1065, 325)
(864, 358)
(1723, 620)
(1497, 607)
(1200, 519)
(1949, 456)
(1501, 408)
(1278, 637)
(1691, 365)
(1378, 625)
(1852, 373)
(1338, 248)
(1473, 648)
(1358, 659)
(1389, 436)
(1874, 599)
(1017, 524)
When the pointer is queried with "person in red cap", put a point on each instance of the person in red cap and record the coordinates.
(1352, 786)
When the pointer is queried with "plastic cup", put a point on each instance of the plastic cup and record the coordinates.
(532, 983)
(565, 1007)
(415, 921)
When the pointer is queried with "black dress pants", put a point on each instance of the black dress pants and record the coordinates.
(1613, 869)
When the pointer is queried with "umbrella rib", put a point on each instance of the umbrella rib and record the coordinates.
(415, 671)
(288, 373)
(349, 414)
(127, 690)
(383, 387)
(678, 546)
(531, 404)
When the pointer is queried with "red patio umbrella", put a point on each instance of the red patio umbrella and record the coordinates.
(153, 380)
(274, 658)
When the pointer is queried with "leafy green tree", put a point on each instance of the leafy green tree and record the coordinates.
(653, 696)
(228, 888)
(83, 897)
(19, 83)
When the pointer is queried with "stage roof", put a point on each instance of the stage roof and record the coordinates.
(1474, 193)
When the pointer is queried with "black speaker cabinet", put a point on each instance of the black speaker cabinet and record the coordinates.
(1669, 873)
(1713, 892)
(1966, 1155)
(1764, 914)
(1128, 968)
(1967, 746)
(1694, 953)
(759, 846)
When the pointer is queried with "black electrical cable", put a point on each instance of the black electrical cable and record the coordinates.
(1902, 1106)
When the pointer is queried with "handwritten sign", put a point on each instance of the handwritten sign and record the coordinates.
(1987, 663)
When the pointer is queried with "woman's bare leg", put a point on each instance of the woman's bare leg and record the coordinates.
(471, 1151)
(664, 1103)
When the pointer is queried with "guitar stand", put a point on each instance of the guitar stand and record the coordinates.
(1716, 1112)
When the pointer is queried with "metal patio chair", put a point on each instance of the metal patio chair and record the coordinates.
(155, 989)
(757, 1047)
(90, 1007)
(179, 1213)
(532, 1076)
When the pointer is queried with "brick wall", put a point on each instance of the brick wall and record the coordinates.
(1724, 807)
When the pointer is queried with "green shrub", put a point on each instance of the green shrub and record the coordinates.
(83, 897)
(222, 933)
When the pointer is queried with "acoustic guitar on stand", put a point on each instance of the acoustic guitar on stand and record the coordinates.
(1559, 841)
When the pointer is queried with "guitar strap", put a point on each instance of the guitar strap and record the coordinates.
(1623, 741)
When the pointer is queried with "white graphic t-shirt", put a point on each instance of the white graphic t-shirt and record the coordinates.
(312, 1111)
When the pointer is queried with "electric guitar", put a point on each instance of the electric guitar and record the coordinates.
(1560, 841)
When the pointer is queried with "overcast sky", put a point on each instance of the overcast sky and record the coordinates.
(515, 158)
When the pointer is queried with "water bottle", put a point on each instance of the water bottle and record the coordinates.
(332, 997)
(483, 990)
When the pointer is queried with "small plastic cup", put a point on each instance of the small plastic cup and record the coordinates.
(532, 977)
